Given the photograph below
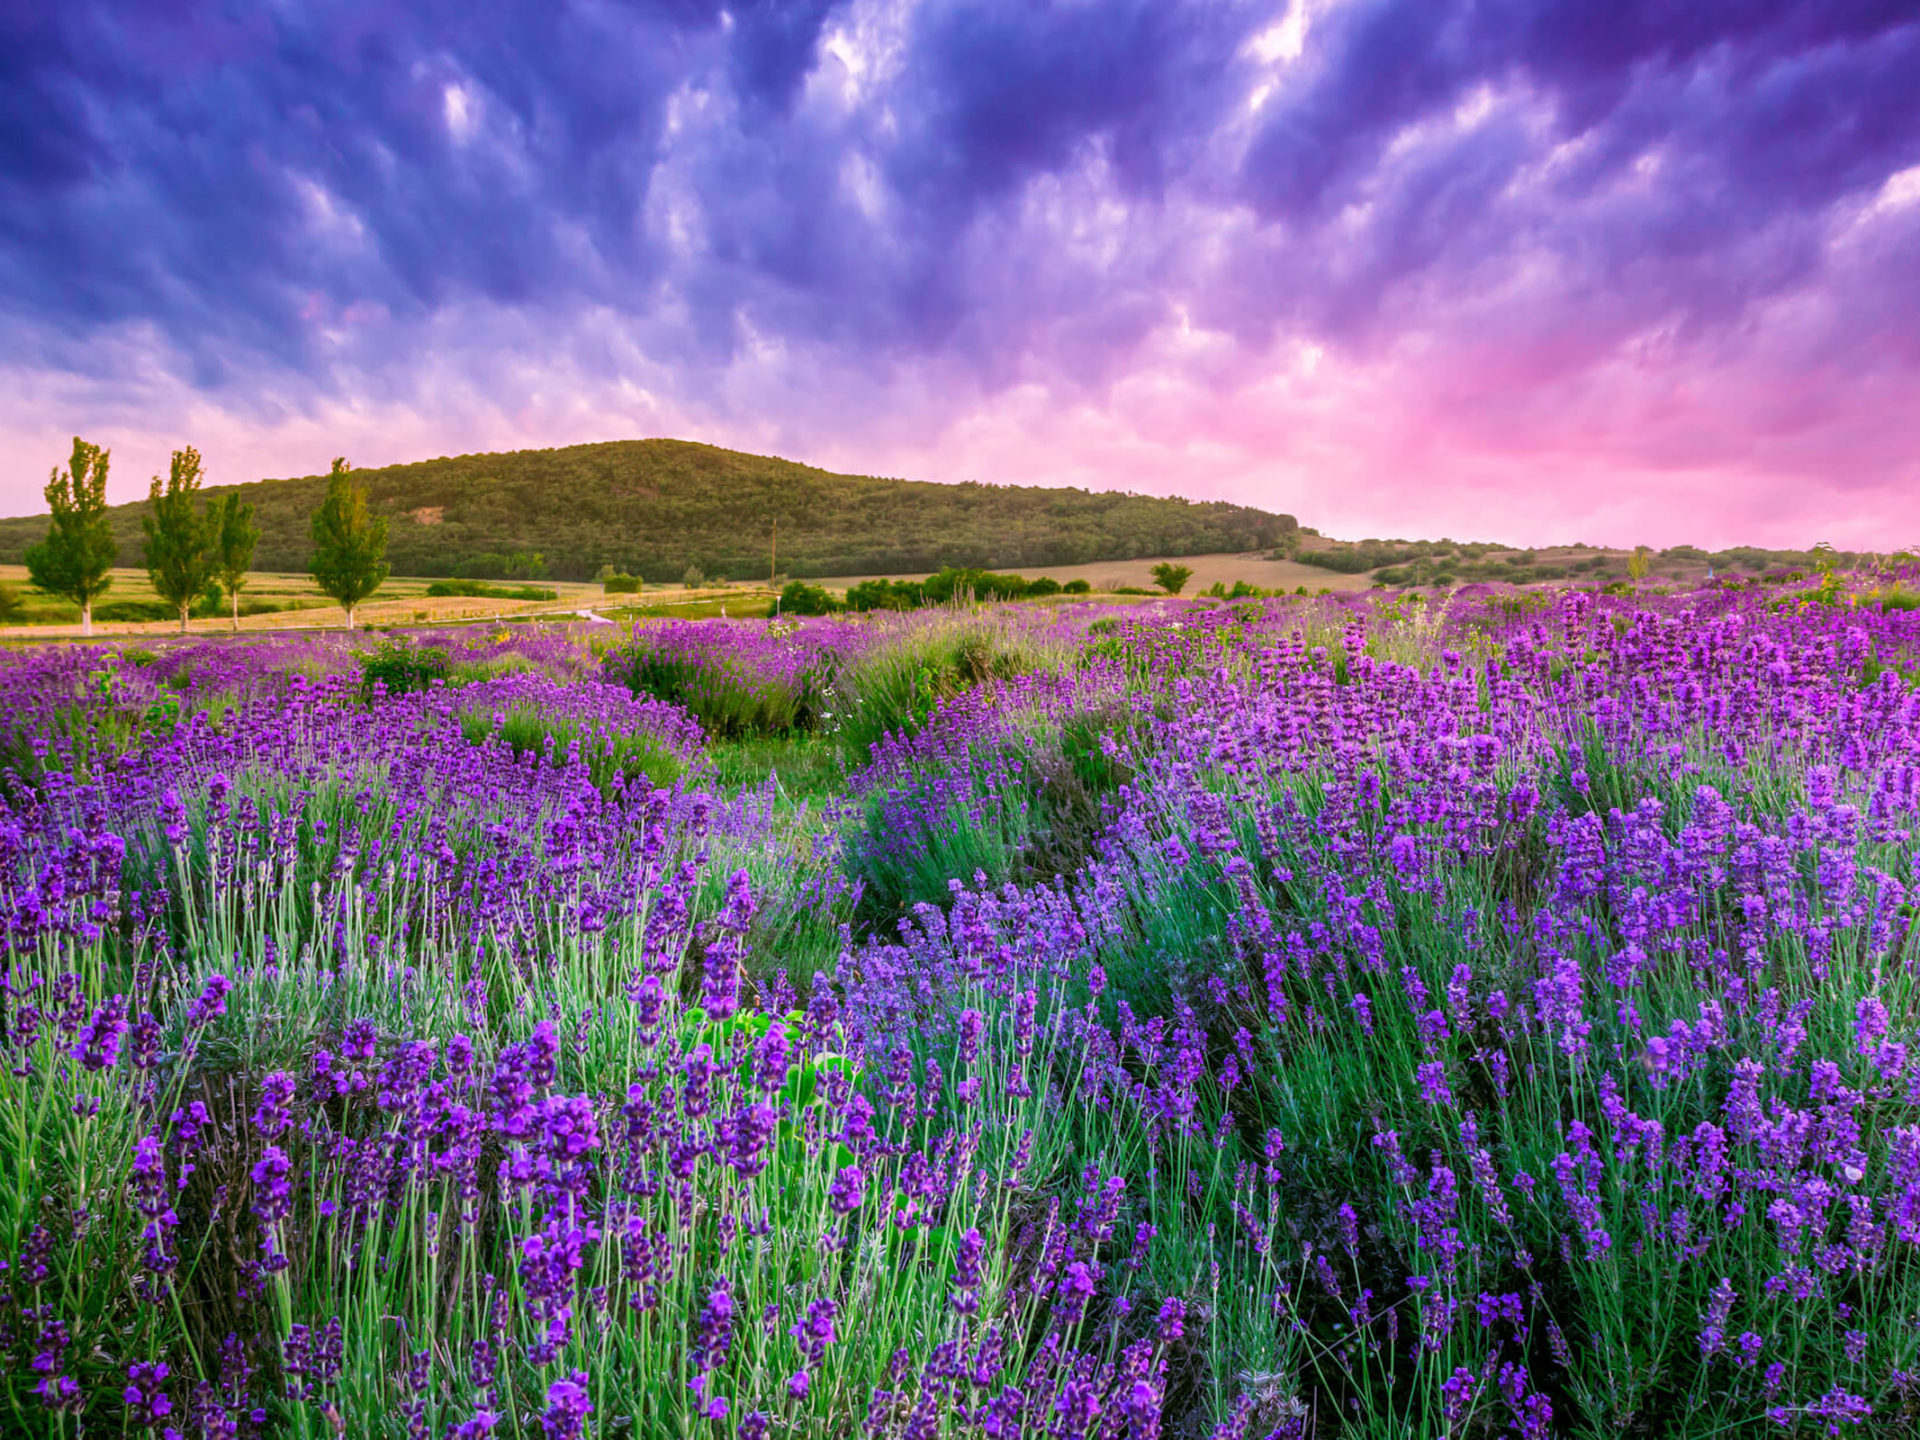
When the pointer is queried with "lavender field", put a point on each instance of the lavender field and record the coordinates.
(1331, 1017)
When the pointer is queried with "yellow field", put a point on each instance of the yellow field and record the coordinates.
(1252, 567)
(400, 601)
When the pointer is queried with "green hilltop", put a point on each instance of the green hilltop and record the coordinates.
(655, 507)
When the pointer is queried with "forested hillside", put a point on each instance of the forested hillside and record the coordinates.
(656, 507)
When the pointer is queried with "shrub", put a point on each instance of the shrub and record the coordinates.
(1076, 587)
(488, 565)
(895, 687)
(887, 595)
(800, 598)
(951, 584)
(1172, 578)
(481, 590)
(401, 667)
(734, 680)
(1045, 585)
(622, 584)
(531, 730)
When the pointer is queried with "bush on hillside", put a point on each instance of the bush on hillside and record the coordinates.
(800, 598)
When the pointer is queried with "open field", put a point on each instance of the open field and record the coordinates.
(403, 600)
(1251, 566)
(1347, 1016)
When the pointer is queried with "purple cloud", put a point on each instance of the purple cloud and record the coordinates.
(1381, 262)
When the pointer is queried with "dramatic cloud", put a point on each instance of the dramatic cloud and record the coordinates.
(1545, 270)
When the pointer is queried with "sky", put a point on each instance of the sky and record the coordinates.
(1613, 271)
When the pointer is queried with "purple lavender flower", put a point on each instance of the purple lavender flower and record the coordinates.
(847, 1191)
(145, 1396)
(568, 1406)
(1172, 1320)
(98, 1045)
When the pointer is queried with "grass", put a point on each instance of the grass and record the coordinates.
(808, 768)
(528, 732)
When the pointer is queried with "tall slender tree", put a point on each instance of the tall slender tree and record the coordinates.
(180, 540)
(349, 542)
(235, 534)
(72, 562)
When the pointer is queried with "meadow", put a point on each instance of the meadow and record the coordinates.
(1305, 1017)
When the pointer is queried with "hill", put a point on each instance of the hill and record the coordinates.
(656, 507)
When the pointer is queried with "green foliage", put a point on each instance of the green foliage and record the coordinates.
(894, 688)
(1355, 561)
(887, 595)
(492, 565)
(181, 551)
(1172, 578)
(9, 604)
(1359, 557)
(693, 577)
(724, 695)
(655, 507)
(1029, 809)
(944, 588)
(349, 542)
(967, 584)
(401, 667)
(1041, 588)
(481, 590)
(621, 584)
(801, 767)
(528, 731)
(800, 598)
(235, 535)
(1240, 590)
(1076, 587)
(80, 547)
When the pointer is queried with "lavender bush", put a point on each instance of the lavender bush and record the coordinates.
(1293, 1017)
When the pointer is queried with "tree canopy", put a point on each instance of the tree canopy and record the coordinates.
(180, 549)
(79, 547)
(349, 542)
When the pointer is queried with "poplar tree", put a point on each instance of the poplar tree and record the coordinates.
(349, 542)
(73, 561)
(235, 535)
(180, 541)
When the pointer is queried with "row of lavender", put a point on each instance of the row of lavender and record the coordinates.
(1299, 1018)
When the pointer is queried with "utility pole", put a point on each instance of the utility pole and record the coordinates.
(773, 555)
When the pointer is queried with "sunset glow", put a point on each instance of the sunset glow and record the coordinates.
(1529, 271)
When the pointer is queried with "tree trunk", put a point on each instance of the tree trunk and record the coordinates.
(186, 607)
(86, 617)
(235, 596)
(349, 610)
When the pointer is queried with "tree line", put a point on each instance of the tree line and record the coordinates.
(195, 553)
